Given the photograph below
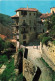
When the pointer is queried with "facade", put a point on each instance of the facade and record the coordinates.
(52, 10)
(47, 15)
(27, 25)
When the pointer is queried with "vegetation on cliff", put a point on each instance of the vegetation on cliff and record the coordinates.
(5, 24)
(50, 35)
(5, 20)
(52, 71)
(7, 60)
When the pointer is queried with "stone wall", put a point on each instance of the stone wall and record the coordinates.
(48, 53)
(28, 70)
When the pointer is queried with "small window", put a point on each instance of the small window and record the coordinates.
(24, 29)
(34, 13)
(23, 21)
(24, 36)
(23, 13)
(29, 13)
(43, 30)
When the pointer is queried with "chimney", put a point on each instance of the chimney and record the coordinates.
(27, 7)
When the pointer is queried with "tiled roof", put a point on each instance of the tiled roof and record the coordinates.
(3, 36)
(15, 16)
(45, 15)
(27, 9)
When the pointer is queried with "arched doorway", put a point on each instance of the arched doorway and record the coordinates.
(37, 75)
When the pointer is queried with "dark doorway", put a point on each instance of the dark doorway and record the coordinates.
(24, 79)
(43, 30)
(24, 43)
(37, 75)
(26, 53)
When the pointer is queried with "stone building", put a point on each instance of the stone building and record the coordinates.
(47, 15)
(27, 24)
(52, 10)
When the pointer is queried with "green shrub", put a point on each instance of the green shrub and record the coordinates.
(5, 20)
(52, 72)
(52, 32)
(3, 59)
(2, 44)
(8, 44)
(41, 36)
(53, 42)
(8, 72)
(20, 77)
(20, 50)
(45, 40)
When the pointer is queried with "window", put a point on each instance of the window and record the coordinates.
(23, 13)
(34, 13)
(23, 22)
(29, 13)
(43, 30)
(24, 36)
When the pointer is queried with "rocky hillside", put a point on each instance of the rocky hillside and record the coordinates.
(5, 25)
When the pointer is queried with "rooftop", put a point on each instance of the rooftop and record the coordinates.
(15, 16)
(46, 15)
(27, 9)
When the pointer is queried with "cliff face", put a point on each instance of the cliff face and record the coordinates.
(33, 67)
(48, 53)
(28, 70)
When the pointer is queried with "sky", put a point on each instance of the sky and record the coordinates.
(8, 7)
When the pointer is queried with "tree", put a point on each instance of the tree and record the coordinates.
(2, 44)
(52, 31)
(53, 20)
(5, 19)
(48, 24)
